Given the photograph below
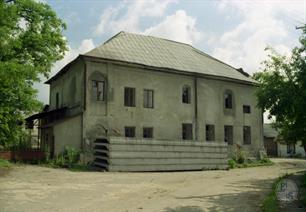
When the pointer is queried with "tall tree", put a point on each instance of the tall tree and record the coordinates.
(31, 41)
(282, 91)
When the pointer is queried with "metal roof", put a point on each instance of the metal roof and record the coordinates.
(163, 53)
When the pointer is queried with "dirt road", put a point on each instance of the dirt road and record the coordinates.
(34, 188)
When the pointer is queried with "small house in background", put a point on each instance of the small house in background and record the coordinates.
(277, 147)
(142, 103)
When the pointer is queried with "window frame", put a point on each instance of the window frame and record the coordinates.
(247, 140)
(129, 129)
(96, 94)
(146, 98)
(151, 131)
(186, 99)
(246, 109)
(232, 134)
(129, 101)
(207, 126)
(187, 131)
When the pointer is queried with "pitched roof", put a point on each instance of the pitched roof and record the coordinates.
(162, 53)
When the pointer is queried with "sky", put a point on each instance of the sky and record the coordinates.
(236, 32)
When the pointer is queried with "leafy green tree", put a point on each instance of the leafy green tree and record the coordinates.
(31, 41)
(282, 91)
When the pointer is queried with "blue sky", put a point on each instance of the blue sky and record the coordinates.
(234, 31)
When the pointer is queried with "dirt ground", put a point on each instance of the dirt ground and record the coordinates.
(34, 188)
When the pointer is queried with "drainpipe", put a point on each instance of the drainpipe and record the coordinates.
(196, 108)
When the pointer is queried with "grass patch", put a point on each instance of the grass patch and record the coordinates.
(5, 163)
(249, 163)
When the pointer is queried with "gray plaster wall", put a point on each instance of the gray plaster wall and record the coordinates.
(110, 117)
(68, 133)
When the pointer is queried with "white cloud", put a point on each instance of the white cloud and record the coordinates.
(261, 26)
(179, 27)
(43, 89)
(127, 15)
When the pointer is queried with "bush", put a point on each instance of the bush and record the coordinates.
(231, 163)
(4, 163)
(68, 158)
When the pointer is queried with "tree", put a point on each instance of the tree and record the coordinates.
(31, 41)
(282, 91)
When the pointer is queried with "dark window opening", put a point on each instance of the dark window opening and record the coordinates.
(148, 98)
(246, 135)
(129, 97)
(187, 131)
(228, 100)
(210, 132)
(228, 134)
(291, 149)
(98, 88)
(57, 100)
(148, 132)
(246, 109)
(186, 95)
(129, 132)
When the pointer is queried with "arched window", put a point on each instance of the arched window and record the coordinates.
(98, 86)
(228, 99)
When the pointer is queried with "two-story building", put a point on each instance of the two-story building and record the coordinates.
(140, 103)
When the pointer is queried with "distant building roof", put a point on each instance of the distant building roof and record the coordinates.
(269, 131)
(162, 53)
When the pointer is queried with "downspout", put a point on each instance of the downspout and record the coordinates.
(196, 108)
(84, 104)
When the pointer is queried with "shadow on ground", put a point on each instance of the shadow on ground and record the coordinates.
(249, 200)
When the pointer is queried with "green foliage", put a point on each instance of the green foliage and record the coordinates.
(282, 91)
(231, 163)
(5, 163)
(67, 159)
(31, 41)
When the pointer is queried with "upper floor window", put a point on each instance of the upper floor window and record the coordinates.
(129, 97)
(186, 95)
(187, 131)
(148, 132)
(246, 135)
(228, 100)
(98, 88)
(210, 132)
(129, 132)
(246, 109)
(148, 98)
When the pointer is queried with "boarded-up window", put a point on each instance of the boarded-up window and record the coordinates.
(228, 134)
(148, 98)
(129, 132)
(210, 132)
(98, 88)
(186, 95)
(187, 131)
(246, 109)
(129, 97)
(228, 100)
(148, 132)
(246, 135)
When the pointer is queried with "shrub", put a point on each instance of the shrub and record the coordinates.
(231, 163)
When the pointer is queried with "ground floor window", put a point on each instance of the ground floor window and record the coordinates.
(246, 135)
(210, 132)
(187, 131)
(228, 134)
(129, 132)
(148, 132)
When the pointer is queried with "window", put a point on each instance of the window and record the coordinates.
(210, 132)
(187, 131)
(246, 109)
(291, 149)
(129, 132)
(246, 135)
(148, 98)
(129, 97)
(186, 95)
(228, 134)
(148, 132)
(228, 100)
(57, 100)
(98, 88)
